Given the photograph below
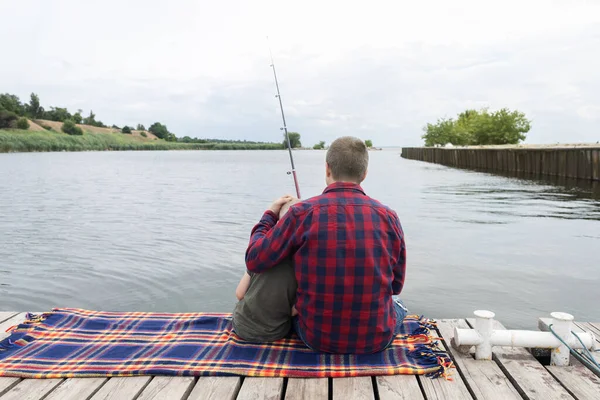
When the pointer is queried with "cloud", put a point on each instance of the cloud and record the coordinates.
(379, 71)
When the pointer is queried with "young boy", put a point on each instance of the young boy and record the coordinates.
(266, 301)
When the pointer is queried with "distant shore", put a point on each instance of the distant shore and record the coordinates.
(18, 141)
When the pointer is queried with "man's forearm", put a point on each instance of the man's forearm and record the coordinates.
(254, 262)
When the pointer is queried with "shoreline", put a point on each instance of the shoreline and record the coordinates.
(24, 141)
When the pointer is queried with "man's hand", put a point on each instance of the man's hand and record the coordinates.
(277, 204)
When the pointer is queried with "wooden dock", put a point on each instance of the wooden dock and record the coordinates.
(578, 162)
(513, 374)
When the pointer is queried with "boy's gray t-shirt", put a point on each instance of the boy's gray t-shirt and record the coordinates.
(265, 312)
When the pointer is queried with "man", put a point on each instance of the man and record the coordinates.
(349, 258)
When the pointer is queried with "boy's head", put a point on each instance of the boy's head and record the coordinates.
(347, 160)
(286, 207)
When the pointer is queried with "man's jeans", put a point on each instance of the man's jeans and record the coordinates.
(399, 308)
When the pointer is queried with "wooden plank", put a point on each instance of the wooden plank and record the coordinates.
(485, 379)
(525, 372)
(399, 387)
(586, 326)
(76, 388)
(31, 389)
(355, 388)
(261, 389)
(562, 163)
(216, 388)
(122, 388)
(572, 163)
(7, 383)
(578, 379)
(442, 389)
(299, 388)
(15, 320)
(168, 388)
(596, 165)
(585, 164)
(4, 315)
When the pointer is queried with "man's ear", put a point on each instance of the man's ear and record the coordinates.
(327, 170)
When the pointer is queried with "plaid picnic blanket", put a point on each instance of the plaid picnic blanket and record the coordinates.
(66, 343)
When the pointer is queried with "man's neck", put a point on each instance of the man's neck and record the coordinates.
(343, 182)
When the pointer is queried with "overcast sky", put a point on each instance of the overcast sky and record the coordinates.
(377, 70)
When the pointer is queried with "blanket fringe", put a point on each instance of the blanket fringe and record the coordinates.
(431, 352)
(30, 319)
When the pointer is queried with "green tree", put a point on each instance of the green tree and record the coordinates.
(319, 146)
(34, 110)
(22, 123)
(482, 127)
(368, 143)
(7, 119)
(60, 114)
(77, 118)
(440, 133)
(126, 129)
(91, 120)
(500, 127)
(70, 128)
(140, 127)
(10, 102)
(159, 130)
(294, 140)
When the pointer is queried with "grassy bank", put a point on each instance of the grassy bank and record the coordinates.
(28, 141)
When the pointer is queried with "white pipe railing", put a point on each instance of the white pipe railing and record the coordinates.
(484, 337)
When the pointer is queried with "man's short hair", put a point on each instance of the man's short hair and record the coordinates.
(348, 159)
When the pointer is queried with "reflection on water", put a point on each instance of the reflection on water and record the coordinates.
(167, 231)
(519, 195)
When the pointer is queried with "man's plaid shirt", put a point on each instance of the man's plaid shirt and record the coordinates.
(349, 257)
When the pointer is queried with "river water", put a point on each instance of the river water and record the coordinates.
(167, 231)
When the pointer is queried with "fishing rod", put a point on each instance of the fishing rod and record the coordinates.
(278, 95)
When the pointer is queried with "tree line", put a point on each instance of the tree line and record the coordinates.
(478, 127)
(14, 114)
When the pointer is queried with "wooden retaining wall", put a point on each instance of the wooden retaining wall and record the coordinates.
(580, 163)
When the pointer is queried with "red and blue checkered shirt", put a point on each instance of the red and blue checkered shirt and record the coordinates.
(349, 257)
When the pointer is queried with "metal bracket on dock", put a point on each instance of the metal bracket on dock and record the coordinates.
(484, 337)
